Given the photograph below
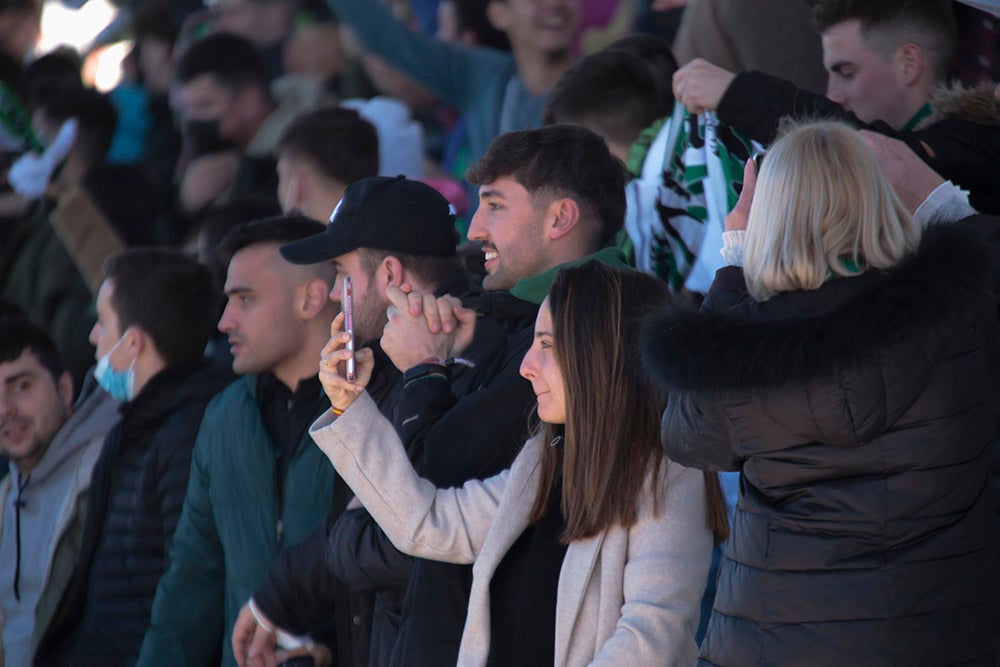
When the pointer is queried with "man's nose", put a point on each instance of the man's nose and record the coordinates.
(226, 323)
(477, 231)
(6, 406)
(834, 91)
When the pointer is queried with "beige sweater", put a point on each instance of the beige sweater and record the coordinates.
(626, 597)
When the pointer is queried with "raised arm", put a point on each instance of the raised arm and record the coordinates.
(452, 72)
(421, 520)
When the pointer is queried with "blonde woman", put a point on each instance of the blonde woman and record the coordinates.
(853, 383)
(592, 548)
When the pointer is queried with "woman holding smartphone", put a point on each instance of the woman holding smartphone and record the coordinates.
(592, 548)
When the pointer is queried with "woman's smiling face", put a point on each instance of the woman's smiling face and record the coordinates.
(541, 369)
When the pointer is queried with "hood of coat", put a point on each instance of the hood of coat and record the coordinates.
(870, 348)
(955, 102)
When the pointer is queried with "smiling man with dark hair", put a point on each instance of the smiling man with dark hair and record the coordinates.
(52, 446)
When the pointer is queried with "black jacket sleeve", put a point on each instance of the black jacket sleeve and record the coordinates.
(964, 150)
(695, 433)
(754, 104)
(297, 592)
(361, 555)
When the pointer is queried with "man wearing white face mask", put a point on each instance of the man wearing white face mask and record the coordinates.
(156, 310)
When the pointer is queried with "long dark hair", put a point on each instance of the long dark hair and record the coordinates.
(612, 434)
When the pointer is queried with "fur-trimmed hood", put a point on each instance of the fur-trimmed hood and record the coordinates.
(920, 302)
(955, 102)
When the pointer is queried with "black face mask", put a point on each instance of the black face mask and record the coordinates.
(204, 138)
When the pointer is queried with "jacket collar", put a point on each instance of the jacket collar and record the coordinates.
(171, 387)
(850, 320)
(534, 289)
(977, 105)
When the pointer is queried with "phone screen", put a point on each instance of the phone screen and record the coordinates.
(347, 303)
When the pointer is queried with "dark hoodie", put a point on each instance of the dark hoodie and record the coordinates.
(135, 501)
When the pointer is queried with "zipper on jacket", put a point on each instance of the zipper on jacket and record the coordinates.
(19, 502)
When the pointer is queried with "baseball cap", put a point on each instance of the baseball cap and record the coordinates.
(385, 213)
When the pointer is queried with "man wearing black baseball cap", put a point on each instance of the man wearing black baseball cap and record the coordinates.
(384, 232)
(548, 198)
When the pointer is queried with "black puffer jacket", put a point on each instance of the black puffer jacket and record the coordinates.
(960, 139)
(135, 501)
(860, 415)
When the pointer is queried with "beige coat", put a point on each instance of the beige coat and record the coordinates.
(626, 597)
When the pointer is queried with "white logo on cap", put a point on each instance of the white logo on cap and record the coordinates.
(335, 209)
(451, 211)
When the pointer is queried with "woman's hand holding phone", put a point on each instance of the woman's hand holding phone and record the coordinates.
(332, 367)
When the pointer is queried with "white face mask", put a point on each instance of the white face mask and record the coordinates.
(120, 385)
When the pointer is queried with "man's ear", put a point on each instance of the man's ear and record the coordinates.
(314, 298)
(496, 14)
(911, 63)
(137, 341)
(391, 271)
(299, 185)
(563, 216)
(64, 385)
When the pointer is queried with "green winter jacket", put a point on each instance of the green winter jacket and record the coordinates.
(231, 528)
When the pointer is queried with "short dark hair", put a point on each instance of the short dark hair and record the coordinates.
(612, 92)
(659, 58)
(429, 270)
(277, 230)
(889, 24)
(234, 62)
(19, 335)
(559, 161)
(62, 64)
(167, 293)
(219, 220)
(154, 19)
(97, 118)
(338, 142)
(9, 309)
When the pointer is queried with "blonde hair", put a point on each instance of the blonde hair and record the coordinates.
(823, 206)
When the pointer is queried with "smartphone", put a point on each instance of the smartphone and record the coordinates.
(347, 304)
(758, 160)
